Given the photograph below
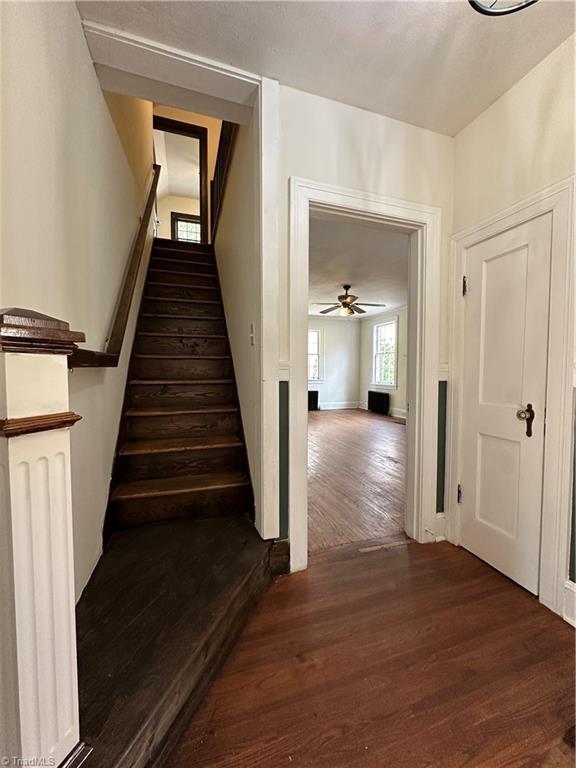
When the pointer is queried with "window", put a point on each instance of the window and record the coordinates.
(186, 227)
(313, 355)
(385, 354)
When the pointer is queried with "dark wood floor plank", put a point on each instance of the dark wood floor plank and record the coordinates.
(416, 656)
(356, 477)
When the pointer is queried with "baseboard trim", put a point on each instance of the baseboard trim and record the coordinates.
(338, 406)
(569, 609)
(398, 413)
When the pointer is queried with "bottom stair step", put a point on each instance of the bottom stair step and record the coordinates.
(158, 618)
(195, 496)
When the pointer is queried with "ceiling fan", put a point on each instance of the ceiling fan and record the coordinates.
(347, 304)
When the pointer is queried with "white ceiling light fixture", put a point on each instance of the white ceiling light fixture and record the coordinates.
(500, 7)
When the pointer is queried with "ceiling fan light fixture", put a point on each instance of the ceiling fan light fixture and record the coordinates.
(346, 312)
(499, 7)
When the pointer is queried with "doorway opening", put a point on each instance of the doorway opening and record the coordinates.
(422, 225)
(181, 149)
(357, 381)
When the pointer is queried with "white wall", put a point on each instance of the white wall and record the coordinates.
(339, 362)
(178, 204)
(69, 215)
(520, 144)
(237, 254)
(333, 143)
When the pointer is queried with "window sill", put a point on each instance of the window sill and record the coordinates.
(385, 387)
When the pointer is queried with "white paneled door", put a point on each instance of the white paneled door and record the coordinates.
(504, 396)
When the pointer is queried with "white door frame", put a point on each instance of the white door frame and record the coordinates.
(556, 496)
(423, 222)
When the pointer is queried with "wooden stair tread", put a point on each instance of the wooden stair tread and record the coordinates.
(180, 317)
(182, 245)
(181, 381)
(179, 411)
(184, 261)
(177, 485)
(158, 617)
(179, 285)
(170, 356)
(178, 335)
(183, 301)
(178, 444)
(187, 274)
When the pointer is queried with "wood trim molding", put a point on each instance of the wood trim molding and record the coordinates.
(109, 357)
(28, 332)
(196, 132)
(31, 424)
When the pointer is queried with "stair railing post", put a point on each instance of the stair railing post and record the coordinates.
(39, 723)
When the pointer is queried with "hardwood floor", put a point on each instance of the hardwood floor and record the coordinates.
(418, 656)
(356, 477)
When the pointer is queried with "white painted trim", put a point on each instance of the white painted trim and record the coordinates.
(268, 111)
(556, 503)
(443, 372)
(398, 413)
(424, 223)
(336, 406)
(122, 58)
(569, 608)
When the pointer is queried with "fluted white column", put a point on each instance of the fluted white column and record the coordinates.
(39, 687)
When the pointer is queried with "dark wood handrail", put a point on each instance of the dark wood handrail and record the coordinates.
(89, 358)
(223, 159)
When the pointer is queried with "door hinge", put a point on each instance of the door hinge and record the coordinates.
(464, 285)
(459, 494)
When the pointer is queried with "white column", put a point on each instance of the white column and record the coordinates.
(38, 667)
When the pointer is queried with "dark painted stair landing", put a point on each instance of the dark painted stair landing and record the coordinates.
(163, 608)
(183, 565)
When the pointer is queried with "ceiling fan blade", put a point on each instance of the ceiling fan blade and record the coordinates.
(367, 304)
(357, 309)
(330, 309)
(322, 303)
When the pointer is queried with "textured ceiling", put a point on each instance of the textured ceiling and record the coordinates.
(433, 63)
(371, 257)
(179, 158)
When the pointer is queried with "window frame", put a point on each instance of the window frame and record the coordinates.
(175, 217)
(320, 356)
(392, 321)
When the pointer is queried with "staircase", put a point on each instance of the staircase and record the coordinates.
(183, 566)
(181, 452)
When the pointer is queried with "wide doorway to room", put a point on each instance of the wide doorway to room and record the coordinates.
(357, 381)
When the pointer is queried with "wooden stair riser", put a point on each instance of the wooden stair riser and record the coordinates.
(190, 424)
(179, 265)
(181, 325)
(182, 395)
(200, 504)
(169, 291)
(182, 246)
(176, 253)
(180, 345)
(182, 308)
(181, 278)
(197, 462)
(184, 368)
